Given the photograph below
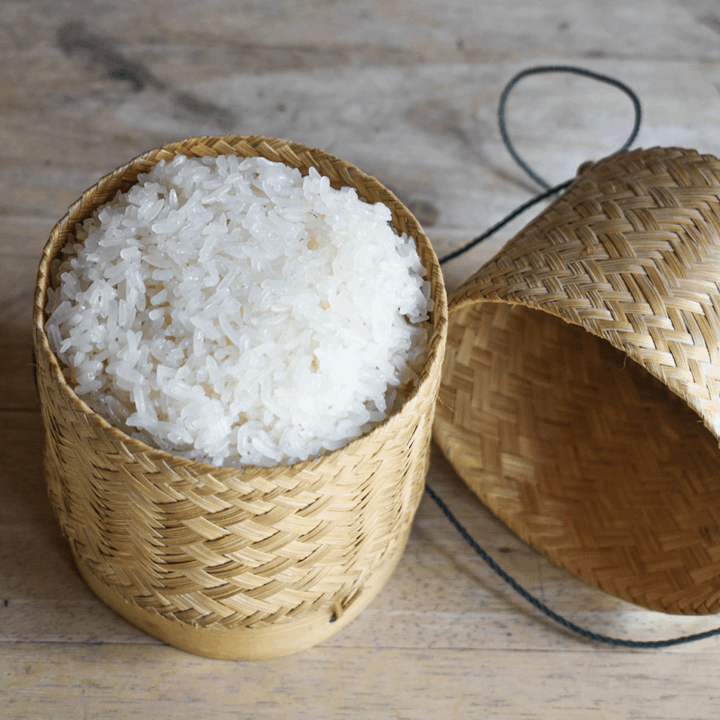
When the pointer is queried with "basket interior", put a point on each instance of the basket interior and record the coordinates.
(583, 454)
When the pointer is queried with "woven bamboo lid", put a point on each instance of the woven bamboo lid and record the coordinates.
(580, 396)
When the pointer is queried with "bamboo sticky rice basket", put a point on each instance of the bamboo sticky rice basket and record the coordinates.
(223, 562)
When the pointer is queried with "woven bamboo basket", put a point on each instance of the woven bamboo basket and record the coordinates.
(222, 562)
(580, 397)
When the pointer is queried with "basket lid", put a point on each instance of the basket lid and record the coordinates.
(580, 397)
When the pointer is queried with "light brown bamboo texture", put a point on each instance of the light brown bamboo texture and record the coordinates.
(580, 396)
(219, 561)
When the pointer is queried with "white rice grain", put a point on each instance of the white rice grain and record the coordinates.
(233, 311)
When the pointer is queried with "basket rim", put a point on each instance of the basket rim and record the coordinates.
(438, 323)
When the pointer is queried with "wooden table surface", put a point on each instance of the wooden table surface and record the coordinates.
(408, 91)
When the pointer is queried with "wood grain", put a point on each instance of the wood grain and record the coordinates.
(65, 683)
(85, 86)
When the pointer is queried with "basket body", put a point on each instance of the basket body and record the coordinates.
(583, 362)
(230, 563)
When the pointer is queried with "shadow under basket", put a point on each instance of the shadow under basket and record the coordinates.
(580, 397)
(228, 563)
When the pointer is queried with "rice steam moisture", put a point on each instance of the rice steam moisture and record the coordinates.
(233, 311)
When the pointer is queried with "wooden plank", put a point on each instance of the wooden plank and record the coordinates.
(17, 276)
(17, 383)
(59, 682)
(425, 29)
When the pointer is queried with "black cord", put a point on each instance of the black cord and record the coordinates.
(550, 190)
(565, 69)
(503, 222)
(597, 637)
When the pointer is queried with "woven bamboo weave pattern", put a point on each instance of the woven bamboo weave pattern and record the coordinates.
(578, 446)
(223, 548)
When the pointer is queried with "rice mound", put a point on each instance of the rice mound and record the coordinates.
(233, 311)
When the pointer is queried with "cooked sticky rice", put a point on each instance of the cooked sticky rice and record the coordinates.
(235, 311)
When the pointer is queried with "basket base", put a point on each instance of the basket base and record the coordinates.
(244, 643)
